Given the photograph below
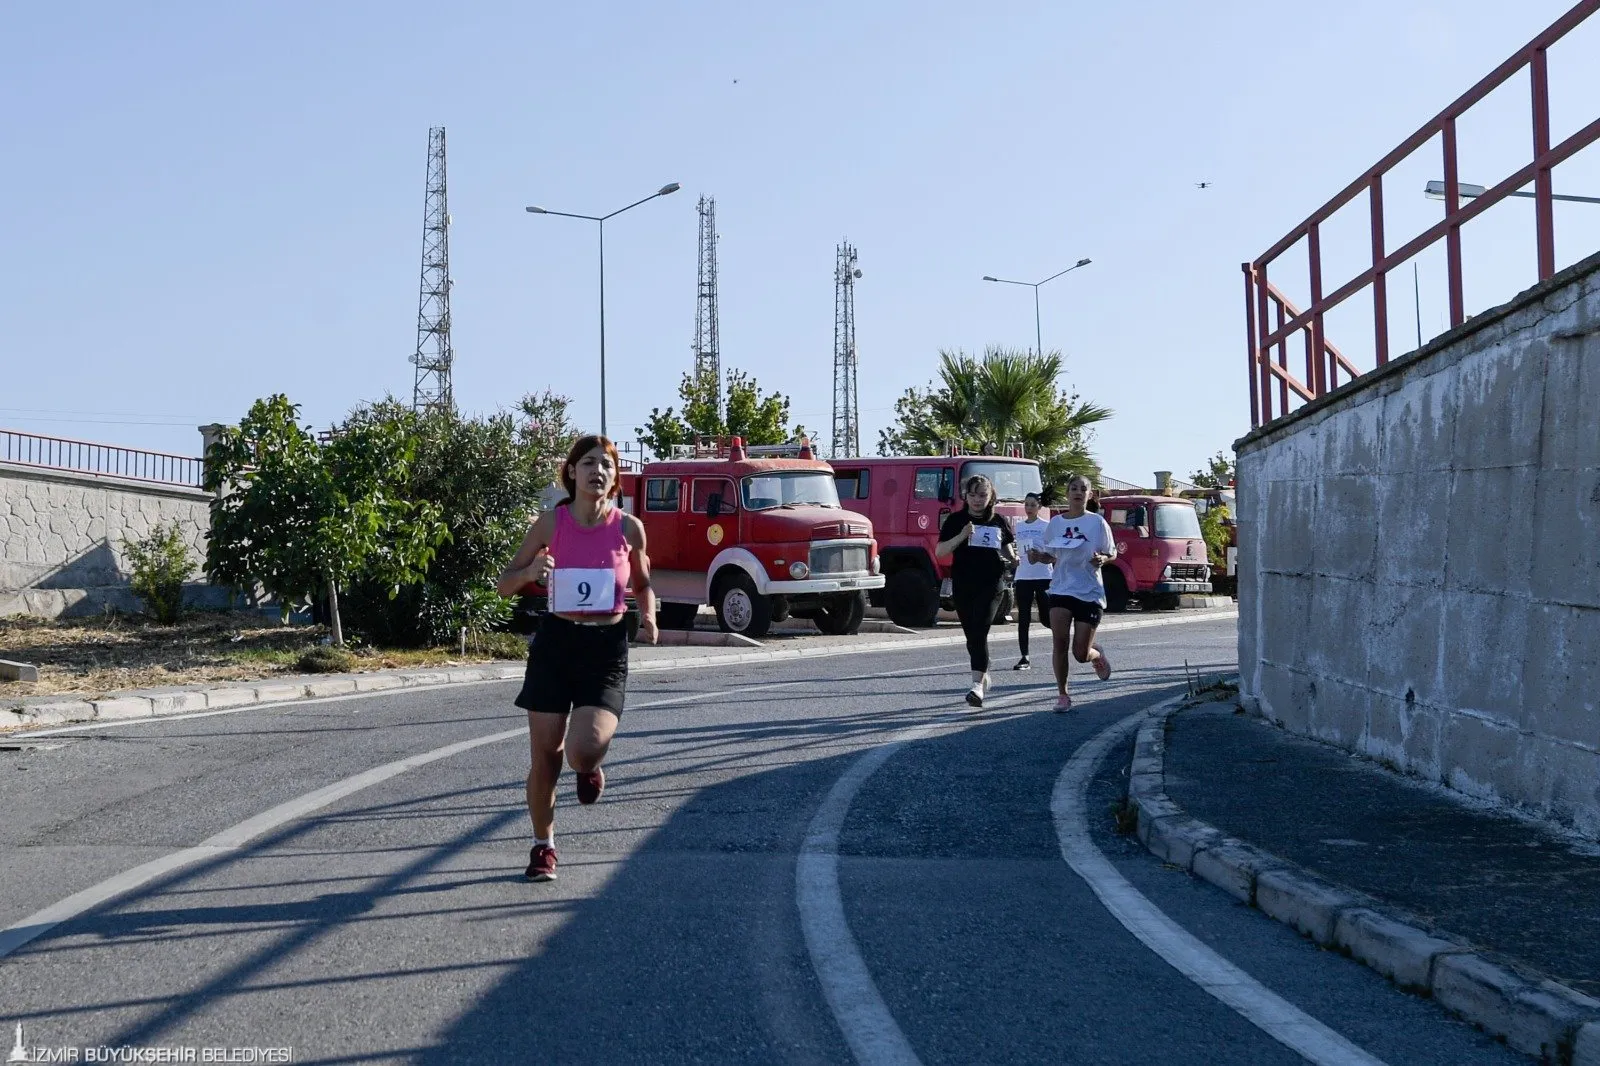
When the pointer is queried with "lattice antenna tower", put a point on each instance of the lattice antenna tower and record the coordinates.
(846, 410)
(707, 348)
(434, 352)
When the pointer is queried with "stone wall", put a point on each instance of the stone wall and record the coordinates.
(61, 536)
(1420, 559)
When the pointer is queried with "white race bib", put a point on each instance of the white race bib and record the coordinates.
(985, 537)
(577, 591)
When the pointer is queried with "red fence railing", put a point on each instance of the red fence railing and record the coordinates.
(85, 457)
(1271, 320)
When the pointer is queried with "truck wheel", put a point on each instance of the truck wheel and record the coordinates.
(1002, 609)
(1116, 590)
(676, 615)
(841, 615)
(740, 608)
(912, 598)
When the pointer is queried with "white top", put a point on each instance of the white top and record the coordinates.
(1030, 535)
(1074, 542)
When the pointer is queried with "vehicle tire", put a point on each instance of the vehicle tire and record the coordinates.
(740, 608)
(912, 598)
(676, 615)
(841, 615)
(1116, 589)
(1166, 601)
(1003, 606)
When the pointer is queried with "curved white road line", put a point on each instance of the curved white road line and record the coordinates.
(236, 836)
(1278, 1018)
(863, 1017)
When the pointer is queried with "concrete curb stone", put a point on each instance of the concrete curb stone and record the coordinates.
(1535, 1015)
(120, 707)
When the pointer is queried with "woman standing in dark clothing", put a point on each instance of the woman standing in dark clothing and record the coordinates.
(980, 548)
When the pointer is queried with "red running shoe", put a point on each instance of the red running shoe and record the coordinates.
(541, 863)
(590, 785)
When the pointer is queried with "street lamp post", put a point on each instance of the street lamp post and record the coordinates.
(600, 221)
(1038, 335)
(1434, 190)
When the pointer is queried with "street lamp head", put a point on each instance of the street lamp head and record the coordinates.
(667, 189)
(988, 278)
(535, 210)
(1083, 262)
(1434, 190)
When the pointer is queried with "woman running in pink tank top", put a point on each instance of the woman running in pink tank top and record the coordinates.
(587, 552)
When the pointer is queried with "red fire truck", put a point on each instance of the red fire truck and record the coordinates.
(1160, 551)
(756, 532)
(907, 498)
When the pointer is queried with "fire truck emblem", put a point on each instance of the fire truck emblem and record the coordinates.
(714, 535)
(922, 521)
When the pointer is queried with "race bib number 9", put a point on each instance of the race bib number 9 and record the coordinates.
(985, 537)
(575, 591)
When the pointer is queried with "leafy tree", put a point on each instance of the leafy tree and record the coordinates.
(300, 518)
(759, 419)
(484, 475)
(1006, 396)
(1218, 473)
(1214, 528)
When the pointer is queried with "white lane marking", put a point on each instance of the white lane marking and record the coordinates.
(1275, 1016)
(647, 667)
(863, 1017)
(236, 836)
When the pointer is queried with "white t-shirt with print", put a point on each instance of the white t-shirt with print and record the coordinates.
(1030, 535)
(1075, 573)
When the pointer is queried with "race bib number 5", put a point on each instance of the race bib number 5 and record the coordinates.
(985, 537)
(577, 591)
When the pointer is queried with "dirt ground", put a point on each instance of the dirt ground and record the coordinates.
(91, 657)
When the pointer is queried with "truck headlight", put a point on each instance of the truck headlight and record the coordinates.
(1166, 573)
(799, 571)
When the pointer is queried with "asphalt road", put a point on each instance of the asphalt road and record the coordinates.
(809, 861)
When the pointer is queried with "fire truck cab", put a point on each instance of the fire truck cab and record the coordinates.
(758, 533)
(908, 499)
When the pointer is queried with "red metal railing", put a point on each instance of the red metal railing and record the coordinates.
(1271, 320)
(130, 464)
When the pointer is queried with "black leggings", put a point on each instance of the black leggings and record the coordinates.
(975, 608)
(1028, 590)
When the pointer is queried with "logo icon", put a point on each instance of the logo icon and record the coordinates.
(19, 1053)
(714, 535)
(922, 521)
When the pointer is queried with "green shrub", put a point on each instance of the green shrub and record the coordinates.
(1215, 532)
(326, 659)
(161, 564)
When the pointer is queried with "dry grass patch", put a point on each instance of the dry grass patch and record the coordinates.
(90, 657)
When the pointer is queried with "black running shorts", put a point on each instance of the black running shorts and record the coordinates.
(572, 665)
(1085, 611)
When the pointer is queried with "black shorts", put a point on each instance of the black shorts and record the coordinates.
(572, 665)
(1085, 611)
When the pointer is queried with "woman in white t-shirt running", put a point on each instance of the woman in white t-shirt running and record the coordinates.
(1078, 542)
(1031, 582)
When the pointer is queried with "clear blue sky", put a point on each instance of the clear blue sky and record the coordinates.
(211, 202)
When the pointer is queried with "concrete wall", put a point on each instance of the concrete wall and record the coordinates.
(1420, 559)
(61, 537)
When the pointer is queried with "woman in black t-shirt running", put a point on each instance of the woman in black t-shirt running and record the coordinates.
(981, 549)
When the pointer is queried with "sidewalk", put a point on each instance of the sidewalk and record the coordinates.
(1494, 904)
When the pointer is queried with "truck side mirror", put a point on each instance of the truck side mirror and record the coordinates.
(714, 505)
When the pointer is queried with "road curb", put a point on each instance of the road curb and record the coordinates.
(1532, 1013)
(151, 703)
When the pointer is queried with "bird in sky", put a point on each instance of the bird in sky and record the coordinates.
(1202, 185)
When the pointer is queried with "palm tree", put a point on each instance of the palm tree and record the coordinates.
(1010, 396)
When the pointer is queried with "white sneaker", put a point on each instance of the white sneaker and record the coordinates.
(975, 696)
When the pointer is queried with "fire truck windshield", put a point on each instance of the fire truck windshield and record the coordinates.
(1012, 481)
(789, 488)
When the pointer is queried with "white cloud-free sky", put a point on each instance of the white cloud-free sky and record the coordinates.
(207, 203)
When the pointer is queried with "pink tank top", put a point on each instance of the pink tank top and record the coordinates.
(592, 568)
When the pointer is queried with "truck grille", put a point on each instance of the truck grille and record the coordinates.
(839, 559)
(1188, 572)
